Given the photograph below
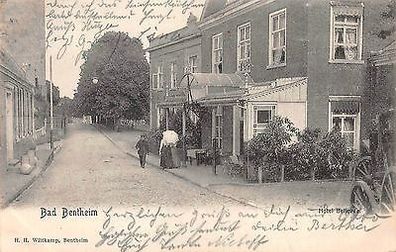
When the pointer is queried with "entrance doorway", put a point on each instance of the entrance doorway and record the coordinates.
(9, 125)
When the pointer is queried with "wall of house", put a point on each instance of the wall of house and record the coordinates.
(296, 44)
(178, 53)
(22, 115)
(326, 78)
(23, 34)
(294, 111)
(379, 95)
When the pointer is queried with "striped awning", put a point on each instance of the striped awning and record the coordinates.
(345, 107)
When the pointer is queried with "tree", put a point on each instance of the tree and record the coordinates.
(387, 23)
(119, 65)
(64, 107)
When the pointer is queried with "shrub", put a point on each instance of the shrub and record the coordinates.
(318, 156)
(312, 156)
(267, 150)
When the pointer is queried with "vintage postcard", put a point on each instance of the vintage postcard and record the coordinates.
(197, 125)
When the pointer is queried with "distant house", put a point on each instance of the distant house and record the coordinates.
(305, 60)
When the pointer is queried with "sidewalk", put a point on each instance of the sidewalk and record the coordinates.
(14, 183)
(298, 194)
(200, 175)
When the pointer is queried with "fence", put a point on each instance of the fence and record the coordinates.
(41, 135)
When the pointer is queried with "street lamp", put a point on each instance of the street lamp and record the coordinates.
(95, 81)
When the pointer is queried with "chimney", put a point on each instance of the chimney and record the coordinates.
(192, 20)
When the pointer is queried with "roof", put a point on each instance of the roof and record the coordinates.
(255, 91)
(211, 7)
(206, 85)
(8, 61)
(386, 56)
(215, 9)
(9, 65)
(188, 32)
(219, 80)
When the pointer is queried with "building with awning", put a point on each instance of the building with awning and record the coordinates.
(257, 62)
(239, 108)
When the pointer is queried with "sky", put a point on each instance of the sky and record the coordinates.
(72, 25)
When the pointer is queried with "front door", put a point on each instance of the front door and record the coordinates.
(10, 125)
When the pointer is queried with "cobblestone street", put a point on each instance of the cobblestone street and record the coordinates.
(90, 170)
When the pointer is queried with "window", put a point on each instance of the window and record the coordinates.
(243, 50)
(217, 53)
(346, 124)
(346, 33)
(193, 64)
(173, 79)
(277, 41)
(158, 78)
(262, 116)
(344, 116)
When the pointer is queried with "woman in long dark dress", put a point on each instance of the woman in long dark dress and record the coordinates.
(168, 152)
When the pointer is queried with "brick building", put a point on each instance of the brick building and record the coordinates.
(304, 59)
(171, 55)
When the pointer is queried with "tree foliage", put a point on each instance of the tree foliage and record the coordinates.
(119, 65)
(387, 23)
(64, 107)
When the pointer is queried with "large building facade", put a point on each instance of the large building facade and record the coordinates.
(171, 56)
(305, 59)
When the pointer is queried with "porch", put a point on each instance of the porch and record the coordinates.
(232, 109)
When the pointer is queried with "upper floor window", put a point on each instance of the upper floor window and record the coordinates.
(173, 78)
(346, 33)
(193, 64)
(217, 53)
(243, 50)
(277, 38)
(158, 77)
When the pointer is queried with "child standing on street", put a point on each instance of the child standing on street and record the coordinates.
(143, 149)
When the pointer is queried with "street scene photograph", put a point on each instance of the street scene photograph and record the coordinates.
(197, 125)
